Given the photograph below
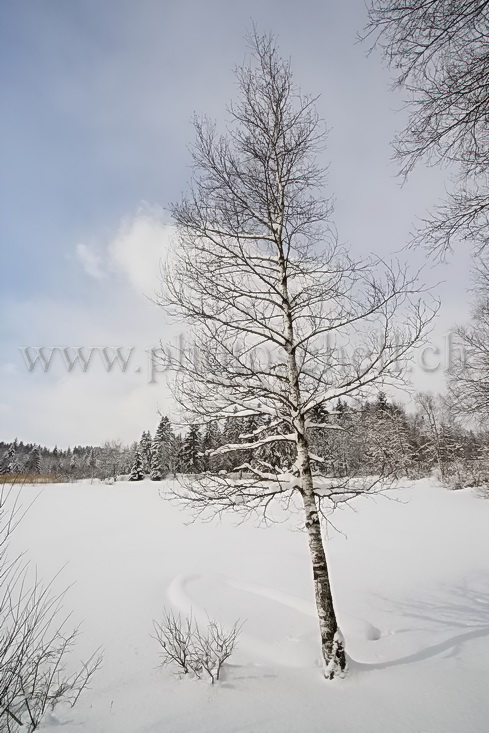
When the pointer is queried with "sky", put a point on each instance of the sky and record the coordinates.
(97, 106)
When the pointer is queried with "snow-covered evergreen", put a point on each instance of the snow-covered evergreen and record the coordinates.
(137, 472)
(191, 459)
(211, 440)
(35, 460)
(166, 438)
(145, 451)
(73, 464)
(10, 463)
(156, 469)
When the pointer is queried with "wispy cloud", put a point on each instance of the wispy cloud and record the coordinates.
(91, 261)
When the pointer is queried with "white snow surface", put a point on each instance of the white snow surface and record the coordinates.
(410, 581)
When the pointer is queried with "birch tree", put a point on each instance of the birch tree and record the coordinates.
(283, 320)
(438, 50)
(469, 380)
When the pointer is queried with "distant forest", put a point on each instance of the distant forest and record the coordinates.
(372, 437)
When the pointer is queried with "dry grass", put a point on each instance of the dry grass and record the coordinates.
(32, 478)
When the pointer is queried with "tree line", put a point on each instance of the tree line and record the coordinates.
(371, 437)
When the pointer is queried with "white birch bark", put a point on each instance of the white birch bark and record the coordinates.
(332, 645)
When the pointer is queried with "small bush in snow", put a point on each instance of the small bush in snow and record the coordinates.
(191, 650)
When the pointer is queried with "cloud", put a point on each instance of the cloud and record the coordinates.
(64, 407)
(92, 262)
(135, 252)
(138, 250)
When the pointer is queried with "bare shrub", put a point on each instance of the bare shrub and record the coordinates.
(35, 643)
(174, 635)
(193, 651)
(215, 648)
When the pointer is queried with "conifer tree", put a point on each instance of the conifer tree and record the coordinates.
(15, 466)
(165, 436)
(233, 428)
(92, 463)
(35, 460)
(191, 453)
(211, 441)
(137, 473)
(156, 460)
(177, 454)
(163, 429)
(145, 450)
(4, 463)
(73, 465)
(10, 463)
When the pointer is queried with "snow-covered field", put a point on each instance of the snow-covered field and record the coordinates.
(411, 584)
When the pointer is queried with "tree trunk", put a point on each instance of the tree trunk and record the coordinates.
(332, 643)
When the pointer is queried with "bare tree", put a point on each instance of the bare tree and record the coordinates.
(436, 418)
(35, 641)
(111, 458)
(284, 321)
(439, 50)
(469, 376)
(216, 647)
(175, 637)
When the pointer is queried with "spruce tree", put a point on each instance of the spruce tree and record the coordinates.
(137, 473)
(277, 454)
(177, 454)
(163, 429)
(9, 463)
(233, 428)
(156, 461)
(35, 460)
(166, 438)
(211, 441)
(15, 465)
(145, 450)
(92, 462)
(191, 458)
(4, 463)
